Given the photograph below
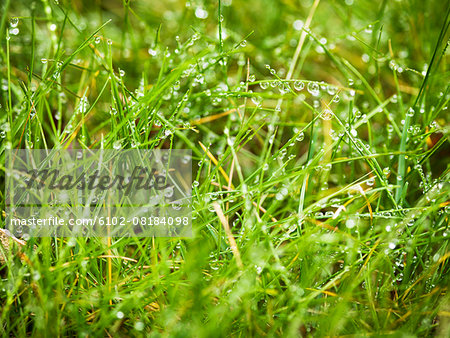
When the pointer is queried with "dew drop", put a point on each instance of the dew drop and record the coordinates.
(410, 112)
(299, 85)
(313, 88)
(264, 85)
(298, 25)
(350, 223)
(14, 22)
(327, 115)
(201, 13)
(117, 145)
(300, 137)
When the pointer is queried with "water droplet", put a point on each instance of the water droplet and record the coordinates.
(139, 326)
(117, 145)
(327, 114)
(44, 61)
(243, 43)
(350, 223)
(299, 85)
(371, 181)
(168, 192)
(313, 88)
(298, 25)
(121, 72)
(109, 42)
(410, 112)
(98, 39)
(331, 90)
(14, 22)
(201, 13)
(256, 100)
(300, 137)
(264, 85)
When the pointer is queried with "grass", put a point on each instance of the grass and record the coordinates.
(319, 133)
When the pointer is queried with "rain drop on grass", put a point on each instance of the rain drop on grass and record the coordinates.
(14, 22)
(300, 137)
(299, 85)
(264, 85)
(327, 115)
(117, 145)
(350, 223)
(313, 89)
(201, 13)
